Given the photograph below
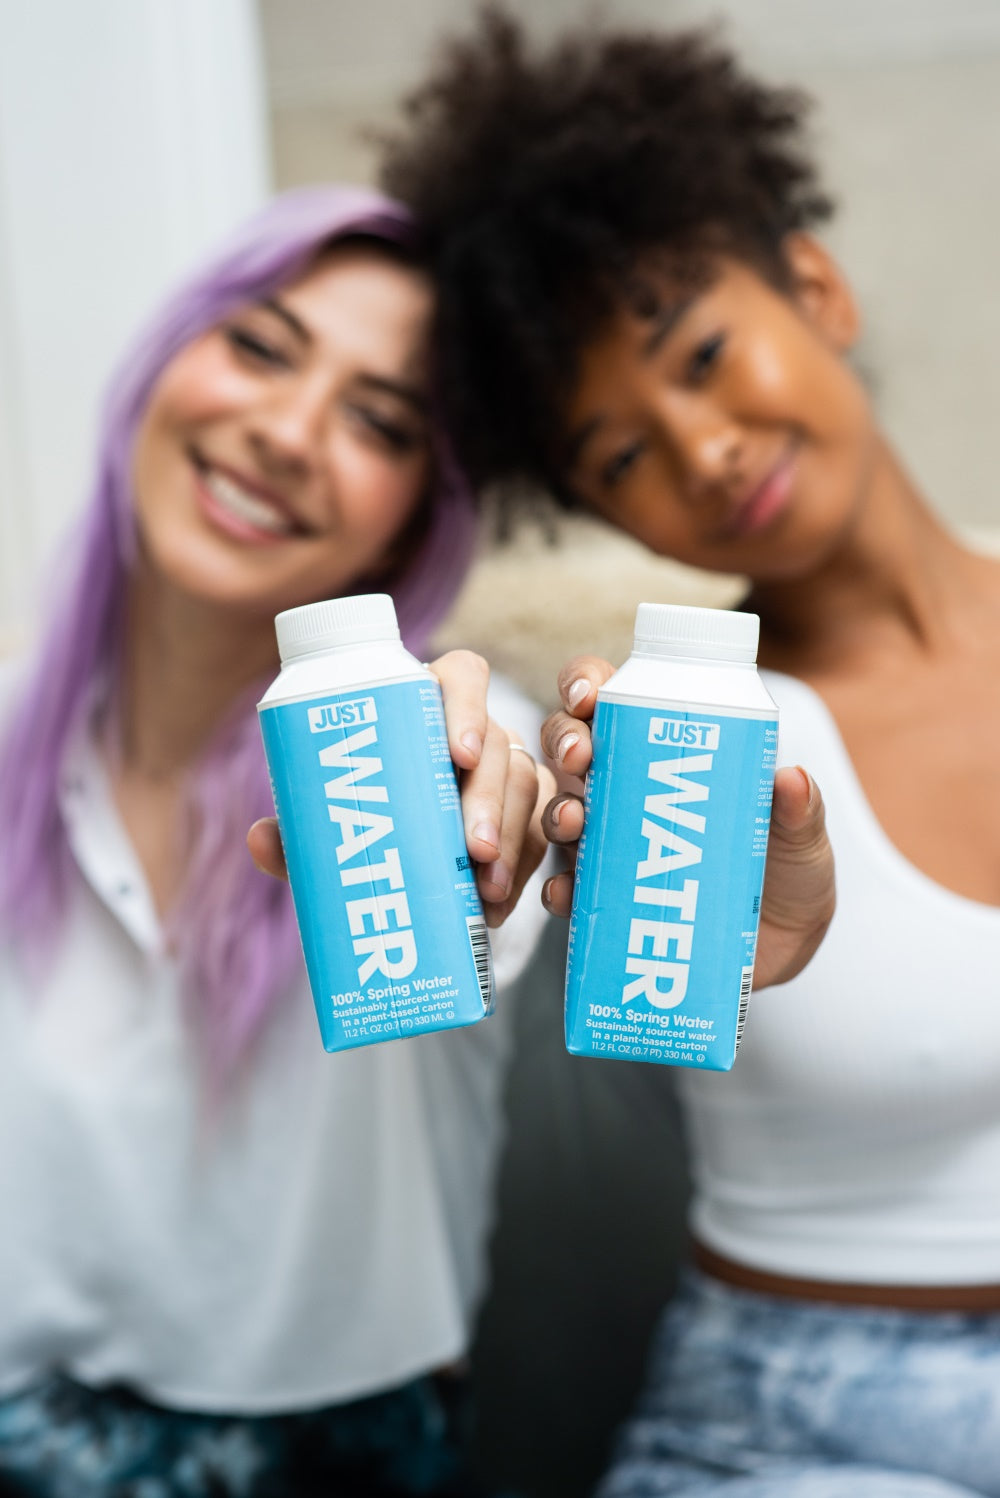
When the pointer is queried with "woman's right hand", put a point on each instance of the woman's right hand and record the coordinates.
(503, 792)
(799, 886)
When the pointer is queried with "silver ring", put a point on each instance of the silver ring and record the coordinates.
(522, 750)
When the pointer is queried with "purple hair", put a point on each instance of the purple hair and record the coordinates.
(235, 927)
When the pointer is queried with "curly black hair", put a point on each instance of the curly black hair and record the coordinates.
(544, 182)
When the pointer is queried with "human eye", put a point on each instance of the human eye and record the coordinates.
(704, 357)
(619, 464)
(254, 347)
(398, 436)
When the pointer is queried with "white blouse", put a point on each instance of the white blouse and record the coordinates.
(321, 1239)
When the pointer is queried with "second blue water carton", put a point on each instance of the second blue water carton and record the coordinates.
(671, 866)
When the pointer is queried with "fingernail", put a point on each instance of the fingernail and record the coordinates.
(577, 690)
(498, 875)
(565, 745)
(473, 742)
(547, 893)
(487, 832)
(556, 812)
(810, 783)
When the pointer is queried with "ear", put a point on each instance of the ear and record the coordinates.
(821, 292)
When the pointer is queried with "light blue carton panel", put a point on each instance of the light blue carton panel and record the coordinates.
(667, 899)
(385, 896)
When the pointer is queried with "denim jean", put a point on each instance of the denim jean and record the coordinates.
(60, 1439)
(757, 1396)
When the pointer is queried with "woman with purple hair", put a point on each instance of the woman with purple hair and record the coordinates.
(229, 1262)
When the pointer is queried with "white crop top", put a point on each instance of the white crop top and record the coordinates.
(858, 1136)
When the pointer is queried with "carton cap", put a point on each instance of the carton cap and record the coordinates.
(709, 634)
(365, 618)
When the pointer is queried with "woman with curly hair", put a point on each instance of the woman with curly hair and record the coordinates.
(634, 312)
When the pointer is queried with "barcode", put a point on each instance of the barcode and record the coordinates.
(746, 983)
(479, 940)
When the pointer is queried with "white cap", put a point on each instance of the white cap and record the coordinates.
(708, 634)
(336, 621)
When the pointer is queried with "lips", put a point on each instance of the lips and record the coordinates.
(763, 505)
(242, 508)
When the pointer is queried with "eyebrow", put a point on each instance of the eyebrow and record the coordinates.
(411, 394)
(579, 441)
(662, 324)
(288, 317)
(663, 321)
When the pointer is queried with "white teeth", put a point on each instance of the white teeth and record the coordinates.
(246, 506)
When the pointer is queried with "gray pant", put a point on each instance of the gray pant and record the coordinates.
(754, 1396)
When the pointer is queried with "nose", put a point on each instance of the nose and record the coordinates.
(286, 429)
(707, 442)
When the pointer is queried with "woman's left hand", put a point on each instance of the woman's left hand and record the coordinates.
(503, 792)
(799, 886)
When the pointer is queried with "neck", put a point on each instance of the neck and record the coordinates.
(897, 581)
(184, 663)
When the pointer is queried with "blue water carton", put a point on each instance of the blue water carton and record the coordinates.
(368, 806)
(666, 904)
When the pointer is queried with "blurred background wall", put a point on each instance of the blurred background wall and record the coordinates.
(133, 132)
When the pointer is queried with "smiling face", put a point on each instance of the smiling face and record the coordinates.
(283, 454)
(724, 428)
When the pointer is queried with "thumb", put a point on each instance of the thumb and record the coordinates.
(264, 843)
(799, 886)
